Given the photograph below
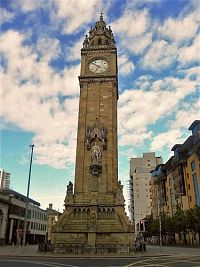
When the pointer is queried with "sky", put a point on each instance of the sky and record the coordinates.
(158, 46)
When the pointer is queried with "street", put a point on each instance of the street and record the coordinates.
(157, 261)
(167, 257)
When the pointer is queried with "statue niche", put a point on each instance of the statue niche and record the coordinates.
(94, 133)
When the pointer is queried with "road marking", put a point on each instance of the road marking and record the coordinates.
(50, 264)
(149, 259)
(170, 260)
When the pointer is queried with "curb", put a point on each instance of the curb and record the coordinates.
(83, 256)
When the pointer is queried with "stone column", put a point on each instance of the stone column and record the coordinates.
(10, 231)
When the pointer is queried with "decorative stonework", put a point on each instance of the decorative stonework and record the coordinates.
(69, 194)
(94, 133)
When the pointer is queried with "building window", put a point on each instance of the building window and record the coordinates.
(193, 166)
(196, 189)
(188, 186)
(190, 199)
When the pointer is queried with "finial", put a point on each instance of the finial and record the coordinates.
(101, 14)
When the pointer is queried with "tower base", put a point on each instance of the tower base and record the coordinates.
(93, 228)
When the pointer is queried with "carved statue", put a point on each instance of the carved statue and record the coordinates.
(70, 188)
(86, 41)
(119, 199)
(95, 153)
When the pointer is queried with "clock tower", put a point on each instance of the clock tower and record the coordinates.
(94, 210)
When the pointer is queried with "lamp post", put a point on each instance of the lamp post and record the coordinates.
(160, 223)
(27, 199)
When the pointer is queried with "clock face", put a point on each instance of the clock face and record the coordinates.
(98, 66)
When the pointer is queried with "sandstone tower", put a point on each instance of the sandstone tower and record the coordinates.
(94, 211)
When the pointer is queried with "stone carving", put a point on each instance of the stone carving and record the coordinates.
(70, 188)
(86, 42)
(95, 153)
(93, 220)
(119, 199)
(96, 132)
(69, 194)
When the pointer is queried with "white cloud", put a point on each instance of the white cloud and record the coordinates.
(30, 93)
(29, 5)
(48, 48)
(169, 139)
(73, 52)
(178, 128)
(126, 67)
(186, 115)
(180, 29)
(133, 29)
(190, 53)
(137, 109)
(133, 23)
(75, 13)
(160, 55)
(135, 138)
(6, 16)
(139, 44)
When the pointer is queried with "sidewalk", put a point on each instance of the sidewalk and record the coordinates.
(32, 251)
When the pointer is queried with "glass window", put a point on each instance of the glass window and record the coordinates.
(196, 189)
(193, 166)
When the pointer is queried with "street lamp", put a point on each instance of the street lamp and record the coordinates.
(160, 223)
(27, 199)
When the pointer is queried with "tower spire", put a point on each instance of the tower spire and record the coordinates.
(99, 35)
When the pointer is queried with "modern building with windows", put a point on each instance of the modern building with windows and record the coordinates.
(15, 217)
(4, 179)
(181, 176)
(140, 177)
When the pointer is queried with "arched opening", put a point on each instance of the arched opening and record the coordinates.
(99, 41)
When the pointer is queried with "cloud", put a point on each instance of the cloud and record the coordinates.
(160, 55)
(6, 16)
(167, 139)
(140, 43)
(75, 13)
(177, 128)
(48, 48)
(73, 52)
(133, 23)
(186, 115)
(28, 6)
(135, 138)
(179, 30)
(126, 67)
(38, 99)
(132, 29)
(190, 54)
(137, 109)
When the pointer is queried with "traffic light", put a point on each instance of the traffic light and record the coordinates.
(142, 225)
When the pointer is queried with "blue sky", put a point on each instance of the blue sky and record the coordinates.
(158, 54)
